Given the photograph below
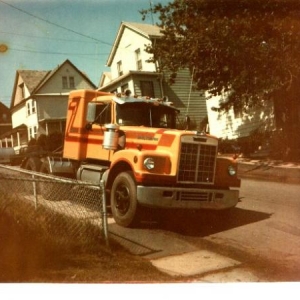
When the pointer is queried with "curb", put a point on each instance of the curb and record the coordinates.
(270, 171)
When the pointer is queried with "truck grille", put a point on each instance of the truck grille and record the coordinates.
(197, 163)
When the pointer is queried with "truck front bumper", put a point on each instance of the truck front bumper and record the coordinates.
(187, 198)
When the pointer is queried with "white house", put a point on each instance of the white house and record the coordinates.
(39, 101)
(130, 70)
(235, 124)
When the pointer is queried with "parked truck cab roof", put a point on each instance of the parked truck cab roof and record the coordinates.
(133, 111)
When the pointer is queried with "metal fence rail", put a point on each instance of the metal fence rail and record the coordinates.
(66, 210)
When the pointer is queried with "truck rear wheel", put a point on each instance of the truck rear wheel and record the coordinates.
(124, 204)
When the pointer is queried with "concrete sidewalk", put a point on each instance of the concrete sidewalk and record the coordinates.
(271, 170)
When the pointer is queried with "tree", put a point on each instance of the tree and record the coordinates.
(248, 48)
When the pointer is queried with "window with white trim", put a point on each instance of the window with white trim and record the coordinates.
(28, 108)
(139, 65)
(120, 68)
(32, 132)
(33, 107)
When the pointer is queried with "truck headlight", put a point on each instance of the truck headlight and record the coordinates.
(231, 170)
(149, 163)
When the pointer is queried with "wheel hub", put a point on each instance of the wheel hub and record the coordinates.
(122, 199)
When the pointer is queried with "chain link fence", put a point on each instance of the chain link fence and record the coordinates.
(64, 210)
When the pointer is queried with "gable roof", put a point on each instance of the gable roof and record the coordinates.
(104, 75)
(51, 74)
(149, 31)
(34, 79)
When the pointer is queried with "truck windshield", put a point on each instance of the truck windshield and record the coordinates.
(146, 114)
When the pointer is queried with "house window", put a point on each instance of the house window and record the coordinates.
(138, 60)
(22, 88)
(64, 82)
(124, 87)
(120, 68)
(28, 108)
(33, 107)
(33, 132)
(147, 89)
(72, 82)
(68, 82)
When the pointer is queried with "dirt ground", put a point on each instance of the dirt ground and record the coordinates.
(26, 258)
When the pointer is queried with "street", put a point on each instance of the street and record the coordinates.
(269, 231)
(259, 240)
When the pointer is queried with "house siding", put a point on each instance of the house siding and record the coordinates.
(54, 84)
(191, 102)
(44, 110)
(52, 107)
(129, 43)
(225, 125)
(156, 85)
(18, 116)
(19, 96)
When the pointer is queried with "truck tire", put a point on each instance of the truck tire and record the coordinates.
(123, 200)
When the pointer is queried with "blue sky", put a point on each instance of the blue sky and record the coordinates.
(41, 34)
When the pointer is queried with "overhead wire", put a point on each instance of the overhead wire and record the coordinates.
(55, 24)
(47, 38)
(58, 53)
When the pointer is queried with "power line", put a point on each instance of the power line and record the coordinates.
(59, 53)
(47, 38)
(54, 24)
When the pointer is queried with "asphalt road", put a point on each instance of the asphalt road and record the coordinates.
(259, 240)
(265, 230)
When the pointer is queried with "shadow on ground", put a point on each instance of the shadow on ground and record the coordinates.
(200, 223)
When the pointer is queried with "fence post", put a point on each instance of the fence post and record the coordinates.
(104, 212)
(34, 192)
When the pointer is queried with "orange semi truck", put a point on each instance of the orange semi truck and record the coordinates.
(132, 144)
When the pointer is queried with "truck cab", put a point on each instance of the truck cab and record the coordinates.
(132, 144)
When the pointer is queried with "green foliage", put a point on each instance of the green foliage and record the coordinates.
(249, 48)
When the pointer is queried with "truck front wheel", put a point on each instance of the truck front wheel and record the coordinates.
(124, 204)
